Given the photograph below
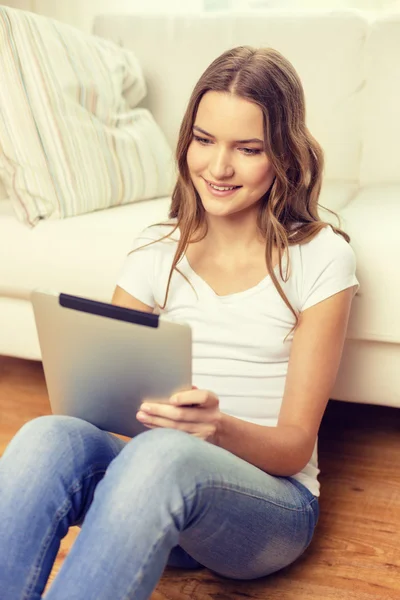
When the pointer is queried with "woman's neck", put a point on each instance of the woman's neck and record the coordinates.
(233, 235)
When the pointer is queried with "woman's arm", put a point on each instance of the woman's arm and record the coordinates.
(283, 450)
(313, 365)
(122, 298)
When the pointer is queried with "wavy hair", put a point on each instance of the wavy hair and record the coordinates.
(288, 212)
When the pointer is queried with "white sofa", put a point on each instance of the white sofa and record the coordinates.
(351, 75)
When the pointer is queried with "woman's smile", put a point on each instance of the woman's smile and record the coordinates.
(221, 191)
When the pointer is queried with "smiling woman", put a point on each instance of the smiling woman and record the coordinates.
(227, 474)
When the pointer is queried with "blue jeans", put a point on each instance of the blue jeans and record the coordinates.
(165, 497)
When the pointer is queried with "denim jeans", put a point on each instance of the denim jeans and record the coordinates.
(165, 497)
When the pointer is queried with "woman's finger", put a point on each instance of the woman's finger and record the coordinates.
(153, 421)
(194, 396)
(177, 413)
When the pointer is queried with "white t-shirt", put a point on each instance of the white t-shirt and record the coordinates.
(239, 351)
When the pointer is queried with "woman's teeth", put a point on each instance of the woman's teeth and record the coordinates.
(222, 189)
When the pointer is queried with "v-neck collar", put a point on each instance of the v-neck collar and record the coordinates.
(265, 282)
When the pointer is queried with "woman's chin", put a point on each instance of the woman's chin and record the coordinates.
(217, 207)
(213, 210)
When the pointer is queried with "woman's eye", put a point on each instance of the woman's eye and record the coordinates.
(250, 151)
(201, 140)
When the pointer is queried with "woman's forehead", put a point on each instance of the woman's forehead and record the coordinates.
(222, 113)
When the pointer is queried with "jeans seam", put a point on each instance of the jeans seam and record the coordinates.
(60, 514)
(94, 470)
(140, 575)
(312, 524)
(257, 497)
(306, 510)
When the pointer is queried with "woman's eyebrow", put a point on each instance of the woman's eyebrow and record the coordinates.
(256, 140)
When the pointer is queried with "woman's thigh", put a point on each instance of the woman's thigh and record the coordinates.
(248, 523)
(245, 534)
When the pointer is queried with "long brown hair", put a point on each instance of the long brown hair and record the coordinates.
(288, 212)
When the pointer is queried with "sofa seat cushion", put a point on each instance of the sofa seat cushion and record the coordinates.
(80, 255)
(335, 195)
(372, 220)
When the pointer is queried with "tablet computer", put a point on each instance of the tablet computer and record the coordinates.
(100, 360)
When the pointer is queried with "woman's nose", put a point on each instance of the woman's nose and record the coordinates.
(220, 166)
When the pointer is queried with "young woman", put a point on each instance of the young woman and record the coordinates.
(226, 475)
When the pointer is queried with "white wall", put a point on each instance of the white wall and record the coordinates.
(22, 4)
(392, 5)
(367, 5)
(80, 13)
(295, 4)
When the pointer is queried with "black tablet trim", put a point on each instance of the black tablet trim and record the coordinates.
(109, 310)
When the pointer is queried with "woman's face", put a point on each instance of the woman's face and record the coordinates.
(227, 150)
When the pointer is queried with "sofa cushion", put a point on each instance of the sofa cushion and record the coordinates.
(372, 221)
(71, 140)
(335, 195)
(380, 157)
(3, 193)
(82, 255)
(326, 48)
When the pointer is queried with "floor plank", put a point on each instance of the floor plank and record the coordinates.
(355, 553)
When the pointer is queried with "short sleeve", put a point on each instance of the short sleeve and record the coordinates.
(136, 275)
(329, 269)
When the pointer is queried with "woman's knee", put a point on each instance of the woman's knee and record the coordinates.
(48, 431)
(47, 441)
(155, 469)
(161, 455)
(164, 448)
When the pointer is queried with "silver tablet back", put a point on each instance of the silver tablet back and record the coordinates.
(100, 361)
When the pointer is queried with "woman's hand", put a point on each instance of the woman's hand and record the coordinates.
(194, 411)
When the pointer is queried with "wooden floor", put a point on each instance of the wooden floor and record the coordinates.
(355, 554)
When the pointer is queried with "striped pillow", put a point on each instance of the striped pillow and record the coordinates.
(71, 140)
